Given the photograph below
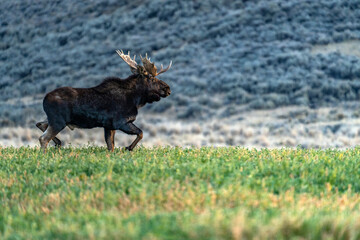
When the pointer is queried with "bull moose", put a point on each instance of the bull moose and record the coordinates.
(113, 104)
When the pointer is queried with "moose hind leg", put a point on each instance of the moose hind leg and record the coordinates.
(43, 126)
(130, 128)
(48, 135)
(109, 139)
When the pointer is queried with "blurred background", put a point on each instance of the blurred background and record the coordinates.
(259, 73)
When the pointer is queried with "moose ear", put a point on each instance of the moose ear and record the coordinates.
(141, 70)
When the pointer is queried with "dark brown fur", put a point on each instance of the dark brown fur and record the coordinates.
(113, 105)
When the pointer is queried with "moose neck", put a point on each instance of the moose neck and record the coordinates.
(142, 95)
(134, 88)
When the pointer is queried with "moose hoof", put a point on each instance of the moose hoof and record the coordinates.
(128, 148)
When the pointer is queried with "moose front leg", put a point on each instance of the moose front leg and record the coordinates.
(130, 128)
(109, 139)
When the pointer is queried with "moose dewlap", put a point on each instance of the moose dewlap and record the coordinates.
(113, 104)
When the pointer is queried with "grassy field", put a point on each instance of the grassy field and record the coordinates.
(175, 193)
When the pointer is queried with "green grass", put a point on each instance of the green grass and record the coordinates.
(175, 193)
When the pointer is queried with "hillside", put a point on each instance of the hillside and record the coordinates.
(227, 54)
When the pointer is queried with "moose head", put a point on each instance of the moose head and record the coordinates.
(153, 87)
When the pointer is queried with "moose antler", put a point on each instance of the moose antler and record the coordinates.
(131, 62)
(151, 68)
(148, 65)
(164, 70)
